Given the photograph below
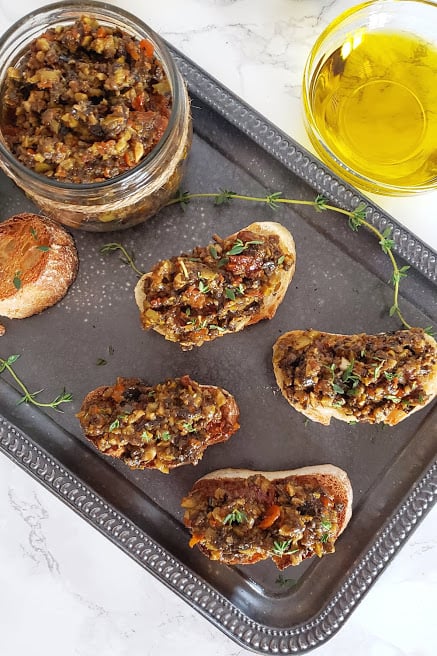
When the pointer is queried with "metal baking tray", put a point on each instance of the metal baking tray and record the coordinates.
(340, 285)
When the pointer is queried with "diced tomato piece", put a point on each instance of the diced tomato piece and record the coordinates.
(272, 514)
(147, 47)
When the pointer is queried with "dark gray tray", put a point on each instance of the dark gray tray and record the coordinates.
(340, 286)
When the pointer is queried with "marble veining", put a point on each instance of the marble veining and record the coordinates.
(67, 589)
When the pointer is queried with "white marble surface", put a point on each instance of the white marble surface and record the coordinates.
(67, 590)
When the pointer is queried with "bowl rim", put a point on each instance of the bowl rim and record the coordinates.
(334, 161)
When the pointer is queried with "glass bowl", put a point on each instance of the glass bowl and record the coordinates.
(138, 183)
(369, 96)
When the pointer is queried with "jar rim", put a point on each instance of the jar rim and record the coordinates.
(131, 21)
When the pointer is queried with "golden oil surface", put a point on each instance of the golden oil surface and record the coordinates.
(374, 101)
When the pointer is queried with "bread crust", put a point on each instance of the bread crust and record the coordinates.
(38, 263)
(327, 479)
(270, 302)
(298, 340)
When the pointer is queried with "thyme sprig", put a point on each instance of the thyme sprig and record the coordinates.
(282, 548)
(30, 397)
(356, 219)
(127, 257)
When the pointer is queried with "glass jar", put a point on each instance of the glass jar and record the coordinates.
(138, 193)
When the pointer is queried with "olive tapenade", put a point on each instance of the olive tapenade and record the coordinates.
(365, 378)
(252, 516)
(85, 103)
(159, 427)
(217, 289)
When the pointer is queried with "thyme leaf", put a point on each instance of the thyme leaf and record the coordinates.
(240, 246)
(320, 203)
(17, 280)
(235, 517)
(284, 582)
(272, 198)
(224, 197)
(387, 244)
(204, 289)
(189, 427)
(283, 548)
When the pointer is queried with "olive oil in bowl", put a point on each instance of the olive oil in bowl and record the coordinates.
(373, 102)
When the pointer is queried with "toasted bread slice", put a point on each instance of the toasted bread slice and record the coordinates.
(239, 516)
(160, 427)
(218, 289)
(38, 263)
(381, 378)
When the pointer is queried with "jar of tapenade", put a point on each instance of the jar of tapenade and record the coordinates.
(95, 121)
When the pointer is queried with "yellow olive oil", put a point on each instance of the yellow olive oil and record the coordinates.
(374, 102)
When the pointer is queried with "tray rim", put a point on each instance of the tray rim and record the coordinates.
(47, 470)
(20, 448)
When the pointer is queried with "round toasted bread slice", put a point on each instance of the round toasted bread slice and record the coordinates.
(241, 516)
(381, 378)
(38, 263)
(160, 427)
(220, 288)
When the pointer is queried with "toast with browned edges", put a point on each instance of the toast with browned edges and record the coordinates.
(218, 289)
(239, 516)
(38, 263)
(381, 378)
(160, 427)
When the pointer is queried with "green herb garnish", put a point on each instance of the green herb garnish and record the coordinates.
(240, 246)
(30, 397)
(283, 548)
(116, 423)
(212, 326)
(202, 287)
(377, 369)
(349, 377)
(283, 582)
(127, 258)
(235, 517)
(391, 397)
(189, 427)
(17, 280)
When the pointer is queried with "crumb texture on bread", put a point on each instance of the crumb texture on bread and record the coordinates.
(160, 427)
(218, 289)
(38, 263)
(381, 378)
(239, 516)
